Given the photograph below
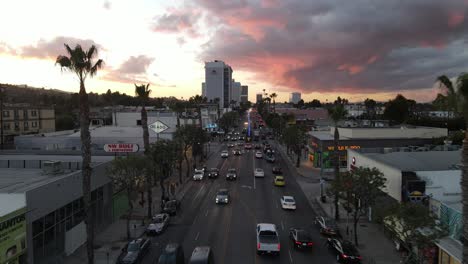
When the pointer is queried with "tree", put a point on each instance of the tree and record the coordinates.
(417, 228)
(362, 187)
(294, 137)
(185, 135)
(163, 155)
(127, 174)
(196, 102)
(370, 105)
(398, 109)
(337, 113)
(142, 92)
(273, 97)
(453, 102)
(200, 137)
(300, 104)
(83, 64)
(314, 103)
(228, 120)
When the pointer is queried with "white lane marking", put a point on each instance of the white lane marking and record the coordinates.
(290, 256)
(206, 213)
(198, 234)
(282, 225)
(254, 183)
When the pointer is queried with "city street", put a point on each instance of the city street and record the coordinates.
(230, 229)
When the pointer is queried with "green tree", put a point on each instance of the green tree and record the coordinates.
(178, 107)
(127, 174)
(196, 102)
(228, 120)
(362, 187)
(164, 156)
(200, 138)
(417, 228)
(273, 97)
(185, 135)
(295, 137)
(337, 113)
(83, 64)
(370, 105)
(142, 92)
(398, 109)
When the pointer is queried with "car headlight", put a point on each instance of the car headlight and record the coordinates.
(217, 200)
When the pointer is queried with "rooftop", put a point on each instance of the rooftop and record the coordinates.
(419, 161)
(62, 158)
(22, 180)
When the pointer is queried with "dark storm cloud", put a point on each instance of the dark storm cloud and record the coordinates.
(331, 45)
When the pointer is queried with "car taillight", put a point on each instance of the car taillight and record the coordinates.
(344, 256)
(359, 257)
(258, 246)
(310, 244)
(297, 242)
(279, 246)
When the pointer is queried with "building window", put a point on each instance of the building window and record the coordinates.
(16, 113)
(6, 113)
(26, 125)
(33, 113)
(34, 124)
(17, 126)
(138, 122)
(6, 126)
(25, 113)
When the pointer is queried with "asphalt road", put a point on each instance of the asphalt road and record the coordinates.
(230, 229)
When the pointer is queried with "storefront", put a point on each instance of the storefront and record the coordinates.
(13, 230)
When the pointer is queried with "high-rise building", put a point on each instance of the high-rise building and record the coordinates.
(259, 98)
(244, 94)
(294, 97)
(218, 82)
(203, 90)
(235, 92)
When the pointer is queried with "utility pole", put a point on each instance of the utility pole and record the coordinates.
(2, 93)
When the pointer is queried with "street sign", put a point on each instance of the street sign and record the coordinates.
(158, 127)
(121, 148)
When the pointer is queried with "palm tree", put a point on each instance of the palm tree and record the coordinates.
(337, 113)
(273, 96)
(458, 100)
(82, 63)
(143, 92)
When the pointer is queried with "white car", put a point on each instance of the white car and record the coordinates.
(288, 202)
(198, 175)
(224, 154)
(259, 172)
(258, 155)
(160, 222)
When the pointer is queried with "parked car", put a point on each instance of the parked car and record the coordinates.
(224, 154)
(172, 254)
(327, 226)
(300, 238)
(231, 174)
(222, 197)
(279, 181)
(159, 223)
(345, 251)
(213, 173)
(230, 145)
(171, 207)
(288, 202)
(258, 155)
(259, 173)
(202, 255)
(277, 170)
(270, 158)
(267, 239)
(135, 250)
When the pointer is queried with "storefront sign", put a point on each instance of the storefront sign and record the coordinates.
(158, 127)
(12, 235)
(121, 148)
(331, 148)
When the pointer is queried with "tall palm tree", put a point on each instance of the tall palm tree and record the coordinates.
(273, 96)
(457, 99)
(83, 64)
(142, 92)
(337, 113)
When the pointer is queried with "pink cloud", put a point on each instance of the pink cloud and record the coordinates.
(455, 19)
(372, 59)
(50, 49)
(351, 69)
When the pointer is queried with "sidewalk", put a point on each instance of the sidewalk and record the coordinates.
(374, 246)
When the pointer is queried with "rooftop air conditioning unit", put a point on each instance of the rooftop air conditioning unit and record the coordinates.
(387, 150)
(52, 167)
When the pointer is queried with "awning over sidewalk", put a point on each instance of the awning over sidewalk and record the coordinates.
(452, 247)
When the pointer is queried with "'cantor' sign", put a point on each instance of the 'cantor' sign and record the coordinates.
(121, 148)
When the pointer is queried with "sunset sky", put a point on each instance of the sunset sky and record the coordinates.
(322, 48)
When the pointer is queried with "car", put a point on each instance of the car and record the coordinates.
(202, 255)
(288, 202)
(300, 238)
(159, 223)
(279, 181)
(198, 175)
(213, 173)
(345, 251)
(258, 155)
(171, 207)
(230, 145)
(224, 154)
(248, 146)
(241, 138)
(231, 174)
(172, 254)
(240, 144)
(222, 197)
(267, 239)
(135, 250)
(237, 152)
(327, 226)
(270, 158)
(276, 170)
(258, 172)
(257, 146)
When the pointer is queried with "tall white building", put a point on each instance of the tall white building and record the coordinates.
(218, 82)
(203, 90)
(236, 92)
(244, 94)
(294, 97)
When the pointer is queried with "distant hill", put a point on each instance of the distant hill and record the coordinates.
(32, 95)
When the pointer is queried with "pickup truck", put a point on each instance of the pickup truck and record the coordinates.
(267, 239)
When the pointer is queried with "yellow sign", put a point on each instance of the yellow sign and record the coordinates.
(12, 235)
(331, 148)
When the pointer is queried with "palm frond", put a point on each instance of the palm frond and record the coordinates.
(445, 81)
(98, 65)
(63, 61)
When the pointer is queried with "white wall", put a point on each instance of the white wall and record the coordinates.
(442, 185)
(393, 175)
(419, 132)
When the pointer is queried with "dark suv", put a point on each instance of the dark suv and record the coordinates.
(172, 254)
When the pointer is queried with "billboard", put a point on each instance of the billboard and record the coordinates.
(12, 236)
(121, 148)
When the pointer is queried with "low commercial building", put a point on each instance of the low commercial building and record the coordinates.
(49, 195)
(13, 246)
(310, 118)
(321, 144)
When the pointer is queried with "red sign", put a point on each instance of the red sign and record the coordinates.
(121, 148)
